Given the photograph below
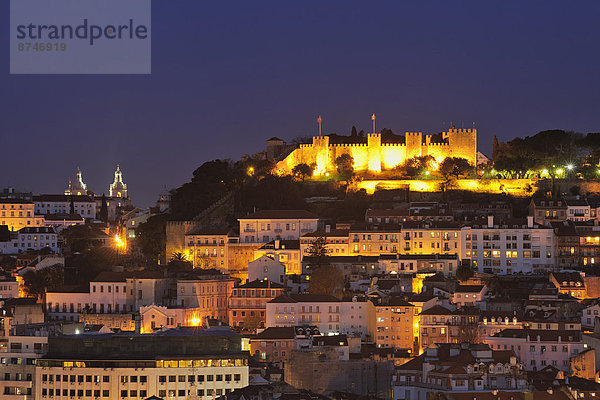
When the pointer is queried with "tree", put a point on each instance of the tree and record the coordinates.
(179, 262)
(303, 171)
(37, 282)
(455, 166)
(319, 252)
(414, 166)
(178, 256)
(463, 273)
(345, 166)
(150, 239)
(251, 323)
(327, 280)
(103, 215)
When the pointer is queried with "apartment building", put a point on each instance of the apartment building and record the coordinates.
(83, 205)
(329, 314)
(336, 241)
(509, 246)
(392, 323)
(206, 290)
(248, 303)
(177, 363)
(286, 252)
(538, 348)
(413, 237)
(18, 214)
(267, 225)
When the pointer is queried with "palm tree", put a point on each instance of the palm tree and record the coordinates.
(178, 256)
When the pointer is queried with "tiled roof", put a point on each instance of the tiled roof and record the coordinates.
(437, 310)
(332, 232)
(305, 298)
(261, 284)
(277, 332)
(110, 276)
(215, 231)
(62, 198)
(281, 214)
(545, 335)
(469, 288)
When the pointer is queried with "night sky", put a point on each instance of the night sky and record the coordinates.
(226, 76)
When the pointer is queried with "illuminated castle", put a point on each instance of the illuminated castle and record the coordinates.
(376, 154)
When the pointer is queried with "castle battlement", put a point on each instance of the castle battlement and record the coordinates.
(376, 156)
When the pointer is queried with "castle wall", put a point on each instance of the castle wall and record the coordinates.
(375, 156)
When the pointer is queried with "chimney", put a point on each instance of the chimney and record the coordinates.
(490, 221)
(530, 221)
(276, 244)
(327, 228)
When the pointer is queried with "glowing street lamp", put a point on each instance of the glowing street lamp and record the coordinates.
(251, 171)
(570, 167)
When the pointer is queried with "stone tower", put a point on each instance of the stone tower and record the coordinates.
(414, 144)
(374, 152)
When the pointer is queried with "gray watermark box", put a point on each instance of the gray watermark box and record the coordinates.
(80, 36)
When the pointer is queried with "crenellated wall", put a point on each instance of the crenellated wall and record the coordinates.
(376, 156)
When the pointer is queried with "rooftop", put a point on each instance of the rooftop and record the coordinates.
(281, 214)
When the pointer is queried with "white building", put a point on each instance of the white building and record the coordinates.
(578, 209)
(447, 264)
(469, 295)
(508, 247)
(538, 348)
(37, 238)
(83, 205)
(108, 293)
(9, 288)
(267, 225)
(329, 314)
(589, 315)
(266, 267)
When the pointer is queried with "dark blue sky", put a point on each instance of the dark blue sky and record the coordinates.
(228, 75)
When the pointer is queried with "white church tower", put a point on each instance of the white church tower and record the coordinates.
(118, 188)
(77, 188)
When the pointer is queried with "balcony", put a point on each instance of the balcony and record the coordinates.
(278, 230)
(249, 230)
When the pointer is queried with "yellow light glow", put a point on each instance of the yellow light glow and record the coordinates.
(195, 322)
(251, 171)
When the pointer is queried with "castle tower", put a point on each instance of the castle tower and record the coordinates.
(77, 188)
(321, 150)
(462, 143)
(374, 152)
(414, 144)
(118, 188)
(274, 148)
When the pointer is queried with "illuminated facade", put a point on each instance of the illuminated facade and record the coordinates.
(376, 154)
(17, 214)
(392, 323)
(208, 293)
(118, 188)
(193, 364)
(77, 188)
